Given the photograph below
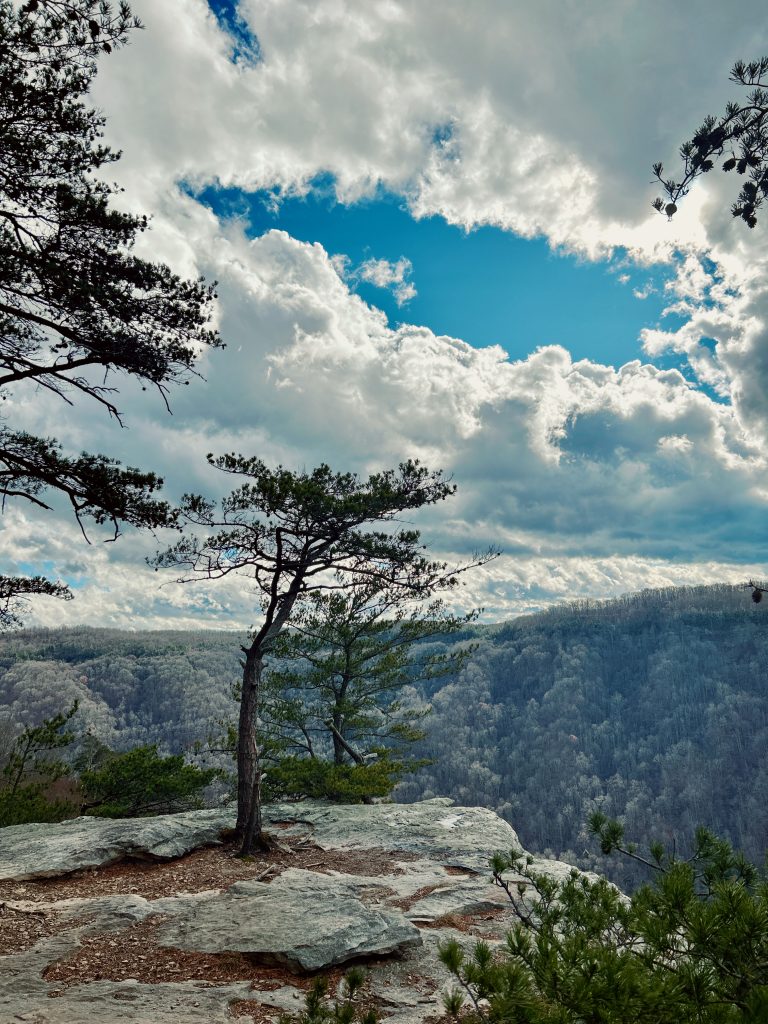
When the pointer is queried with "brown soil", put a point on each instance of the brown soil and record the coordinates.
(258, 1013)
(215, 867)
(20, 930)
(465, 1014)
(134, 953)
(406, 902)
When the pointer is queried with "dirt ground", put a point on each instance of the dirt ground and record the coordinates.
(214, 867)
(134, 953)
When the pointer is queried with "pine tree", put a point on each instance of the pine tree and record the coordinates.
(77, 307)
(141, 782)
(29, 769)
(690, 948)
(738, 140)
(289, 533)
(339, 676)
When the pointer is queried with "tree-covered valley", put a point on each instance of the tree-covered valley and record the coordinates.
(652, 708)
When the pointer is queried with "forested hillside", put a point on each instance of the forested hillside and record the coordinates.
(653, 707)
(134, 688)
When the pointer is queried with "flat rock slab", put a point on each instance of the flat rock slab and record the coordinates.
(301, 919)
(465, 897)
(458, 836)
(24, 999)
(47, 850)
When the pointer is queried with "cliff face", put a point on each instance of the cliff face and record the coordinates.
(154, 920)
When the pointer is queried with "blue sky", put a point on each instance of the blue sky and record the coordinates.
(486, 286)
(583, 452)
(245, 44)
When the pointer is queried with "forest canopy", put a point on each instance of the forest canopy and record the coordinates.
(652, 708)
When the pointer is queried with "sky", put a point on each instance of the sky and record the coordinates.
(432, 230)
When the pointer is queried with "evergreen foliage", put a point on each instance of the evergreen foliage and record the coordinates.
(346, 1009)
(294, 778)
(339, 676)
(140, 782)
(29, 769)
(16, 590)
(77, 306)
(738, 140)
(290, 533)
(691, 948)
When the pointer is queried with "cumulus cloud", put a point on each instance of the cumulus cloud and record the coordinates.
(451, 112)
(603, 474)
(392, 275)
(448, 109)
(724, 329)
(595, 479)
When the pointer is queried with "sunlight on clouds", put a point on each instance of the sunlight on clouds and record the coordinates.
(574, 463)
(385, 274)
(600, 479)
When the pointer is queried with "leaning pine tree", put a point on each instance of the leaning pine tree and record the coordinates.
(290, 534)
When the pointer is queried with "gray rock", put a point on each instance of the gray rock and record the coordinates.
(460, 836)
(457, 836)
(106, 1002)
(302, 919)
(26, 996)
(458, 897)
(45, 850)
(106, 913)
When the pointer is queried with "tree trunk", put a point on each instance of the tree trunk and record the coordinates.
(249, 821)
(356, 757)
(337, 729)
(337, 734)
(248, 767)
(253, 835)
(344, 744)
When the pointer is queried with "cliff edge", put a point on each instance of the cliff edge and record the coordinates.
(156, 921)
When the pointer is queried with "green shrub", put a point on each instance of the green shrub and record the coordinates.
(141, 782)
(31, 802)
(691, 948)
(30, 770)
(346, 1009)
(294, 778)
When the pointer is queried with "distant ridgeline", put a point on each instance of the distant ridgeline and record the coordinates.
(653, 707)
(134, 688)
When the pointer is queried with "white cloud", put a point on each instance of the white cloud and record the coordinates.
(444, 105)
(596, 479)
(386, 274)
(604, 472)
(644, 292)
